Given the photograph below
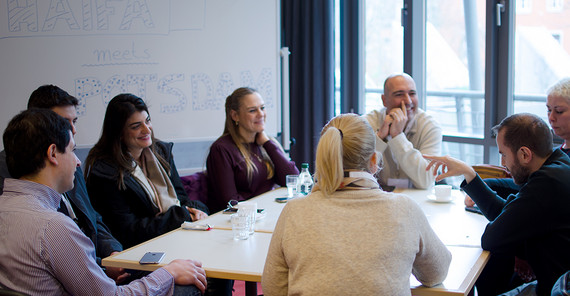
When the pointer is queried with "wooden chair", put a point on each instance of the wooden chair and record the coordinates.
(491, 171)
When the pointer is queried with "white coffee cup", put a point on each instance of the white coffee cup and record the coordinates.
(442, 192)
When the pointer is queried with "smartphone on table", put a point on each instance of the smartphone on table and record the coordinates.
(234, 210)
(473, 209)
(152, 258)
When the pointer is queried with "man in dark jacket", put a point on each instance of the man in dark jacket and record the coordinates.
(532, 224)
(75, 203)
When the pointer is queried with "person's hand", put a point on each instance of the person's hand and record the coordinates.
(188, 272)
(117, 273)
(196, 214)
(261, 138)
(400, 119)
(449, 167)
(468, 201)
(384, 129)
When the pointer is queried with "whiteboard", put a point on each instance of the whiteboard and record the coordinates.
(183, 57)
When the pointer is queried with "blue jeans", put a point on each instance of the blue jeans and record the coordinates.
(219, 287)
(562, 286)
(528, 289)
(186, 291)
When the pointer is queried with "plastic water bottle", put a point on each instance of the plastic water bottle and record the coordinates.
(305, 180)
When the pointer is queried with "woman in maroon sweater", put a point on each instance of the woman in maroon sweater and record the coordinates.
(244, 162)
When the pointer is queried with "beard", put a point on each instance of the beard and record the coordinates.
(520, 174)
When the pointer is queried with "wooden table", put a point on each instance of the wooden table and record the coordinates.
(221, 255)
(224, 257)
(461, 232)
(265, 201)
(453, 225)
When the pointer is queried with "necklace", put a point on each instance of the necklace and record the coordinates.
(253, 148)
(257, 156)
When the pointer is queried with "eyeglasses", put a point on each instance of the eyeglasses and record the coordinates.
(232, 206)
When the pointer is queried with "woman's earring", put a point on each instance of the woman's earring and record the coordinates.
(237, 123)
(377, 162)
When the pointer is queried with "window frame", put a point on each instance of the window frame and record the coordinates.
(499, 56)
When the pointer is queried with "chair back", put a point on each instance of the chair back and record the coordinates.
(196, 186)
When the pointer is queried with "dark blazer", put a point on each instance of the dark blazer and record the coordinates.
(88, 220)
(129, 212)
(536, 218)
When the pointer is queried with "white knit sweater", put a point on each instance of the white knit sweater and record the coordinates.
(355, 242)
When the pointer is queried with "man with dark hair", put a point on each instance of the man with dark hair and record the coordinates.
(26, 158)
(532, 224)
(75, 203)
(49, 96)
(44, 252)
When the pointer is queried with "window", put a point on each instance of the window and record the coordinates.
(384, 53)
(524, 6)
(471, 71)
(554, 5)
(541, 59)
(455, 69)
(455, 72)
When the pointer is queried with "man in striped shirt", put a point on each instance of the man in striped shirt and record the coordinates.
(76, 203)
(43, 251)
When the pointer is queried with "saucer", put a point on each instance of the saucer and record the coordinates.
(432, 198)
(259, 216)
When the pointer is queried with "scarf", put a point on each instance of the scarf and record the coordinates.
(356, 180)
(155, 182)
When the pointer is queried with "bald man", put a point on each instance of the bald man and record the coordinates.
(404, 132)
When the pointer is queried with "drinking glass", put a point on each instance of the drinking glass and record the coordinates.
(240, 227)
(248, 209)
(291, 181)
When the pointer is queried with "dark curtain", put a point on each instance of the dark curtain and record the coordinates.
(308, 31)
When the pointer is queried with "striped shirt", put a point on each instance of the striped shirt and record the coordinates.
(43, 252)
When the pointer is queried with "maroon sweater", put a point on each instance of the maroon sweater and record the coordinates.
(227, 173)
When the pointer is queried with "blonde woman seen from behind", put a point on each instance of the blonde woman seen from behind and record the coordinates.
(350, 237)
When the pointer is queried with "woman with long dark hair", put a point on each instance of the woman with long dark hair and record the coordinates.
(132, 179)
